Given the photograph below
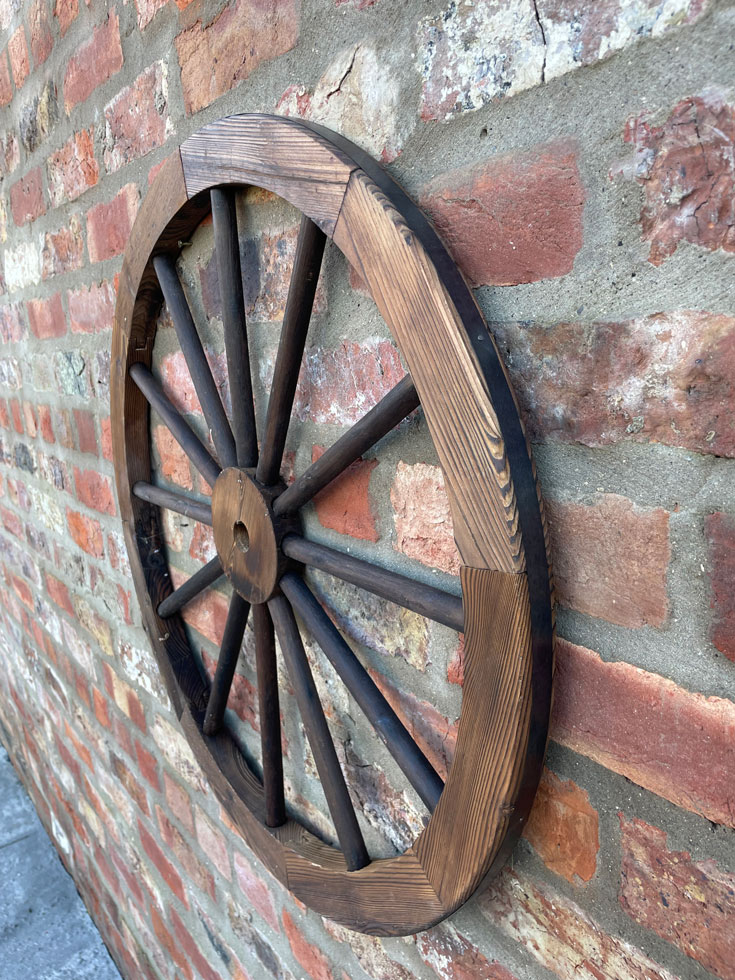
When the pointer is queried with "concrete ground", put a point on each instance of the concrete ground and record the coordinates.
(46, 932)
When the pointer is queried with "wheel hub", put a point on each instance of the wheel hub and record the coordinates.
(246, 533)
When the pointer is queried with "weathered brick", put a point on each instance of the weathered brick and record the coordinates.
(38, 117)
(212, 842)
(26, 197)
(192, 950)
(22, 266)
(72, 169)
(689, 903)
(308, 956)
(562, 936)
(19, 60)
(344, 505)
(109, 224)
(30, 419)
(675, 743)
(95, 490)
(86, 532)
(167, 871)
(91, 310)
(137, 119)
(147, 10)
(66, 12)
(46, 317)
(41, 39)
(720, 532)
(218, 55)
(12, 328)
(610, 559)
(63, 250)
(180, 846)
(130, 783)
(687, 170)
(174, 461)
(179, 803)
(171, 945)
(47, 428)
(369, 953)
(96, 61)
(423, 520)
(177, 383)
(563, 828)
(515, 219)
(125, 698)
(202, 547)
(6, 86)
(453, 957)
(663, 378)
(86, 432)
(254, 887)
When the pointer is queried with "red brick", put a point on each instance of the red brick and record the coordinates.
(720, 532)
(137, 119)
(147, 10)
(96, 61)
(63, 427)
(663, 378)
(178, 800)
(610, 559)
(515, 219)
(180, 846)
(170, 944)
(174, 461)
(109, 224)
(46, 317)
(4, 417)
(19, 61)
(6, 88)
(86, 532)
(59, 594)
(202, 547)
(72, 169)
(165, 868)
(675, 743)
(22, 590)
(344, 505)
(253, 886)
(453, 957)
(127, 701)
(370, 953)
(218, 55)
(41, 39)
(86, 435)
(687, 169)
(563, 828)
(47, 429)
(560, 935)
(66, 12)
(26, 197)
(308, 956)
(206, 614)
(17, 416)
(190, 947)
(30, 419)
(63, 250)
(148, 766)
(91, 310)
(106, 437)
(11, 522)
(95, 490)
(213, 843)
(423, 520)
(689, 903)
(130, 783)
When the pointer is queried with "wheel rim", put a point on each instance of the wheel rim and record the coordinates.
(453, 368)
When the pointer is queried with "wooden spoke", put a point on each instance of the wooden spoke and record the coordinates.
(177, 425)
(196, 359)
(390, 410)
(301, 292)
(270, 717)
(227, 247)
(425, 600)
(417, 768)
(317, 731)
(199, 581)
(171, 500)
(237, 617)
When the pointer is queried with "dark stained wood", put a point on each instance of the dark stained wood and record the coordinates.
(171, 500)
(425, 600)
(473, 420)
(317, 731)
(227, 248)
(269, 716)
(207, 575)
(301, 292)
(419, 771)
(274, 153)
(229, 653)
(196, 359)
(377, 423)
(177, 425)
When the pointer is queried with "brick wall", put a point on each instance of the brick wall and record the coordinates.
(577, 158)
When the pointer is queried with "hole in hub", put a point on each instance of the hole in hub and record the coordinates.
(242, 538)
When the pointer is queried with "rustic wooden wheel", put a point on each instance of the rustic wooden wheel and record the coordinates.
(456, 376)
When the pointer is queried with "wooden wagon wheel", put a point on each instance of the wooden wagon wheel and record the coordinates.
(456, 376)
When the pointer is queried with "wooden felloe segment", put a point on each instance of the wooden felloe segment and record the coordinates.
(457, 377)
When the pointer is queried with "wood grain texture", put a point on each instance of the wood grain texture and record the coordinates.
(271, 152)
(464, 427)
